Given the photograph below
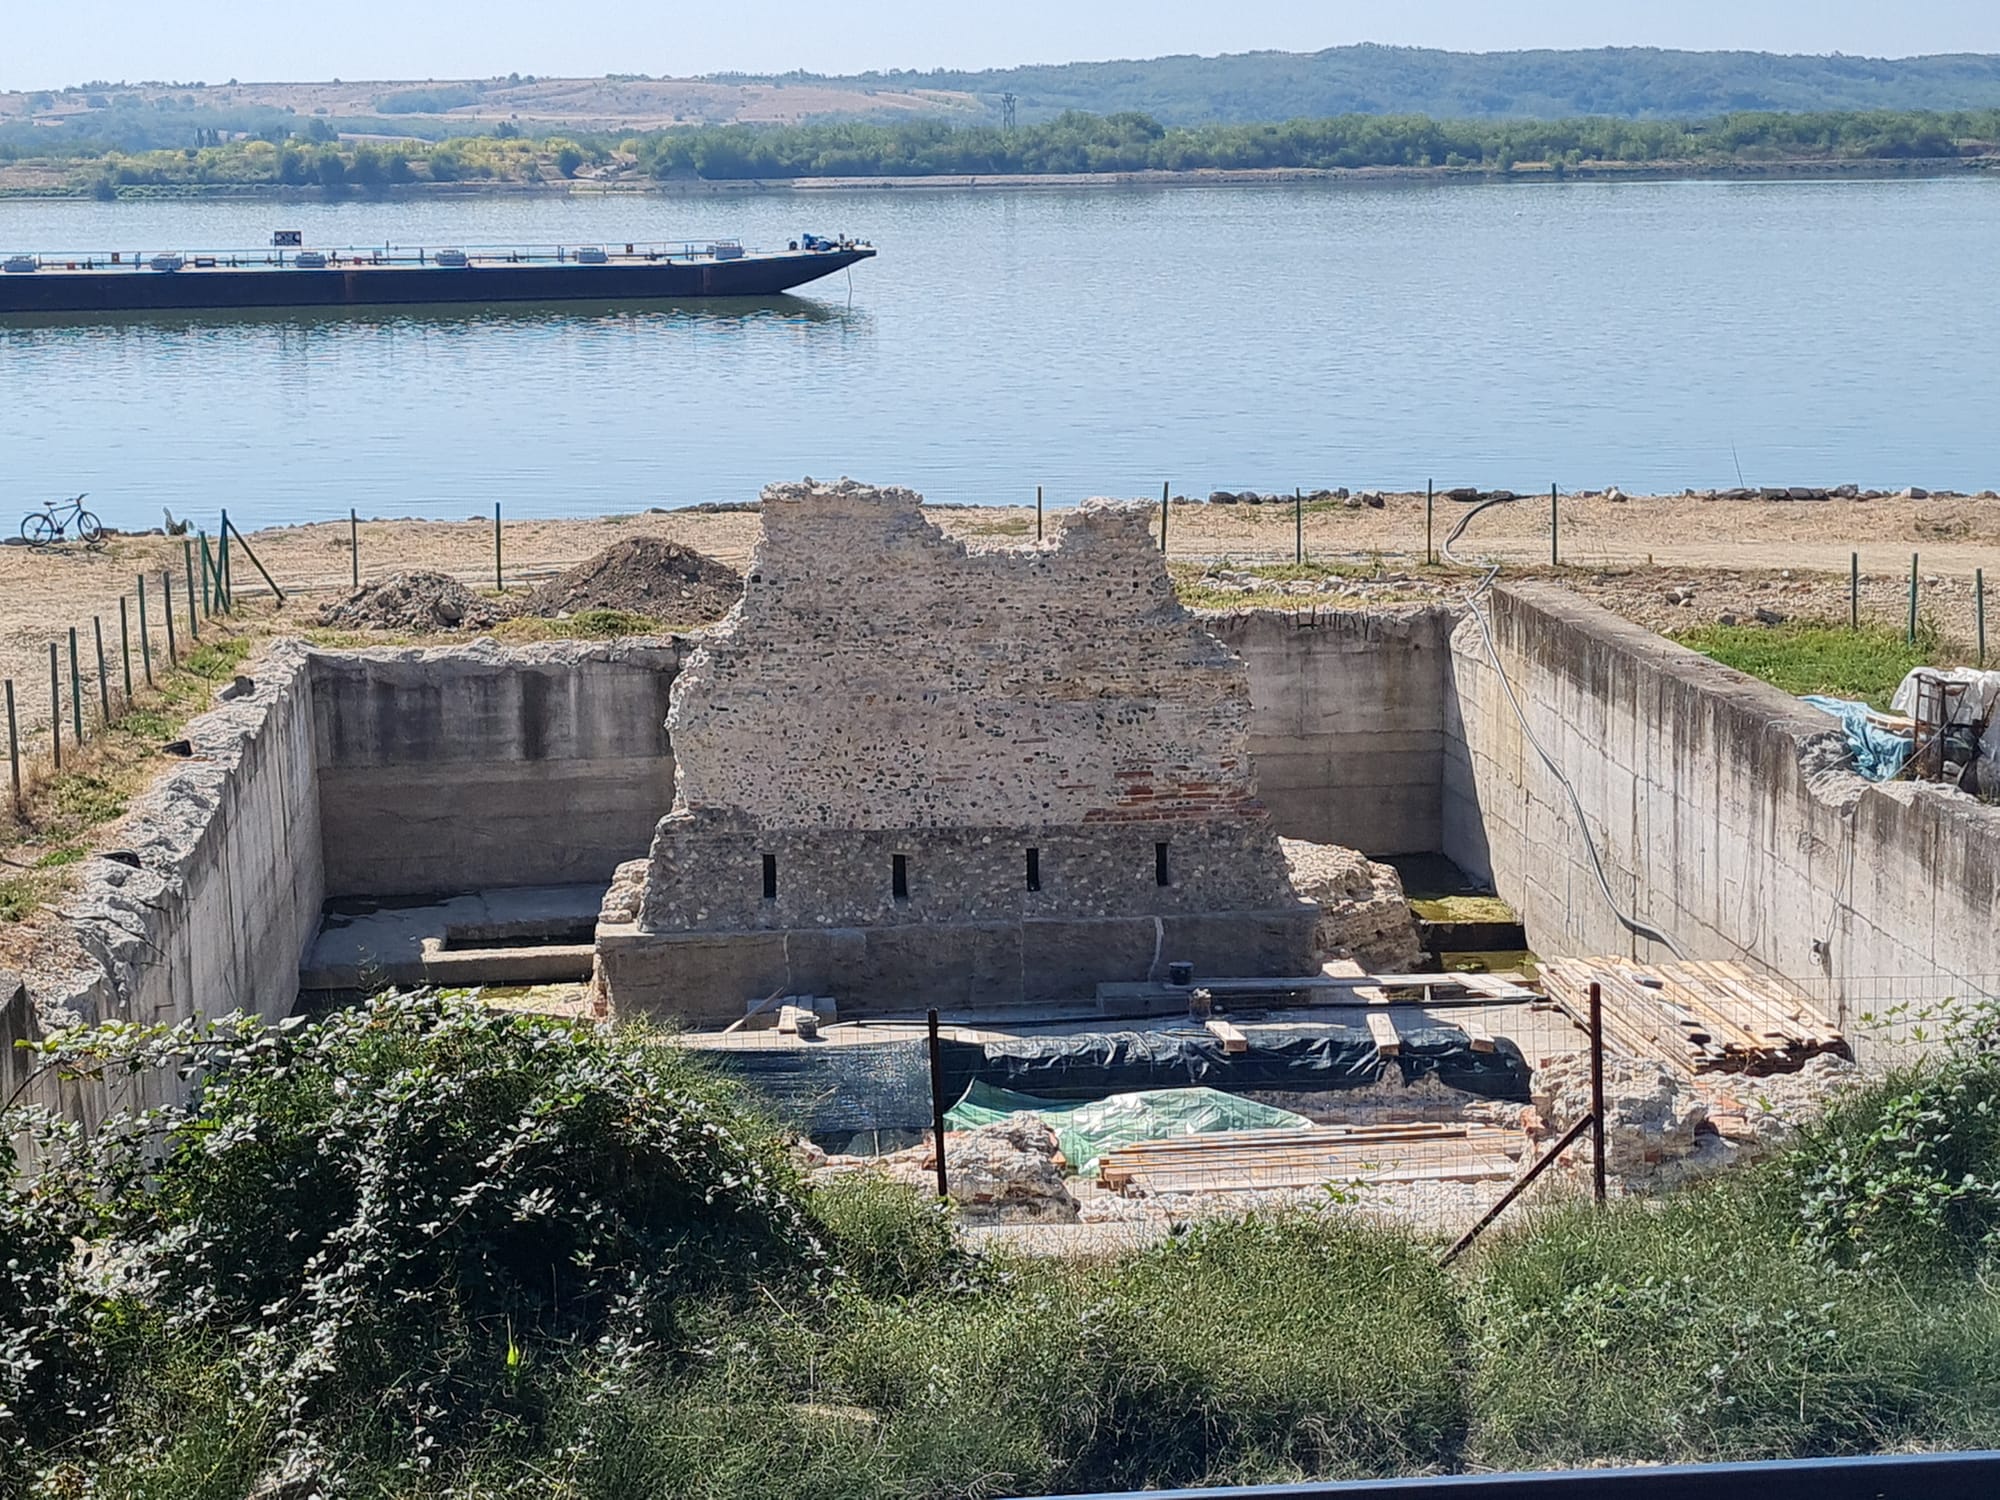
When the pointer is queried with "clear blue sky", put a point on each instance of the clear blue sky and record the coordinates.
(47, 45)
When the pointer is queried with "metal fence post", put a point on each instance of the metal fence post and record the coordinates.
(75, 690)
(167, 608)
(354, 544)
(1038, 512)
(55, 706)
(125, 644)
(194, 621)
(145, 633)
(1854, 591)
(1979, 609)
(103, 681)
(1597, 1093)
(1298, 526)
(499, 584)
(1164, 489)
(1913, 598)
(1430, 504)
(13, 745)
(937, 1106)
(1555, 526)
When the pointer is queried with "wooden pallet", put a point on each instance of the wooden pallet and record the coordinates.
(1249, 1160)
(1706, 1017)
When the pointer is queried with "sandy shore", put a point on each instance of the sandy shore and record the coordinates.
(1615, 550)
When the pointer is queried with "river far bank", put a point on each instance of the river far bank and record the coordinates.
(30, 180)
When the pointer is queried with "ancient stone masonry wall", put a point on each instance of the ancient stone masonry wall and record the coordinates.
(880, 690)
(1030, 763)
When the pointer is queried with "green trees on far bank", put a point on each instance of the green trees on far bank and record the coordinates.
(1072, 143)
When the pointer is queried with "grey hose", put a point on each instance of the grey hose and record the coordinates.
(1630, 923)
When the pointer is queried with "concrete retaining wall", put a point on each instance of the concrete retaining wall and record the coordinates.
(1347, 722)
(479, 766)
(1721, 807)
(216, 887)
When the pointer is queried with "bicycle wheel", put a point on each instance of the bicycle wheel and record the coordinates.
(38, 529)
(89, 528)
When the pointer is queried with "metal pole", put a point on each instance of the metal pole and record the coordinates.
(1913, 598)
(1430, 501)
(1854, 591)
(13, 745)
(937, 1107)
(1298, 526)
(103, 681)
(75, 690)
(1597, 1093)
(194, 621)
(125, 644)
(354, 544)
(167, 608)
(1038, 512)
(1521, 1185)
(499, 585)
(207, 568)
(55, 707)
(1979, 609)
(1164, 488)
(1555, 555)
(222, 564)
(255, 561)
(145, 633)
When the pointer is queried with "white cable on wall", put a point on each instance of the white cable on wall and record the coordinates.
(1629, 922)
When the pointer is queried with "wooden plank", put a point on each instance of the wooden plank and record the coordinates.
(1478, 1035)
(1232, 1040)
(1383, 1030)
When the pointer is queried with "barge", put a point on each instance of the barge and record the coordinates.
(289, 274)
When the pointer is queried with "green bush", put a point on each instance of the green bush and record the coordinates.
(416, 1204)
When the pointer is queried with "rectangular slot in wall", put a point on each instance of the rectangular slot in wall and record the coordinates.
(770, 877)
(899, 877)
(1034, 869)
(1161, 874)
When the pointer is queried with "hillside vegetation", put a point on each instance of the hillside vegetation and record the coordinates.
(429, 1250)
(1068, 144)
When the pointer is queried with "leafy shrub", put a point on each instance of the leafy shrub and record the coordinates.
(413, 1203)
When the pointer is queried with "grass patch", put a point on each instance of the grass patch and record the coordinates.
(585, 625)
(1807, 657)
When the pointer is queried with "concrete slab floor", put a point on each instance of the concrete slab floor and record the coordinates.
(365, 944)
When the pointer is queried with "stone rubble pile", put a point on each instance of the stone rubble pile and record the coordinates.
(1364, 914)
(643, 575)
(417, 603)
(1009, 1172)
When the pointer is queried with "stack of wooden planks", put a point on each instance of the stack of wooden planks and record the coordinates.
(1251, 1160)
(1696, 1017)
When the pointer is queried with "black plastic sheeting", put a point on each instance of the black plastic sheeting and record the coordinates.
(832, 1092)
(1301, 1059)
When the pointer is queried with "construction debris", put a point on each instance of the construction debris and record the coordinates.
(1695, 1017)
(1258, 1160)
(414, 603)
(643, 575)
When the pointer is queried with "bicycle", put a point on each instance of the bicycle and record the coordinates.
(40, 528)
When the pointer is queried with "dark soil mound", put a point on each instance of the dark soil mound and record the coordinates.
(643, 575)
(414, 602)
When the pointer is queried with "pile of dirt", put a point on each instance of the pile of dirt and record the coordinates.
(643, 575)
(417, 603)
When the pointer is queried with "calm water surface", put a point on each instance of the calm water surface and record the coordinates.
(1646, 335)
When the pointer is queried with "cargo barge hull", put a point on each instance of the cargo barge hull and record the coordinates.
(132, 287)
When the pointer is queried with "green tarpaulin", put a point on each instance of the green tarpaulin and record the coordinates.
(1088, 1130)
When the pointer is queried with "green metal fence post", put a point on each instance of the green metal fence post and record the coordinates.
(1913, 599)
(55, 706)
(354, 543)
(103, 680)
(194, 618)
(13, 745)
(125, 644)
(167, 609)
(75, 691)
(145, 634)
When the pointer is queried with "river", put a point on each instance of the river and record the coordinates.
(1649, 335)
